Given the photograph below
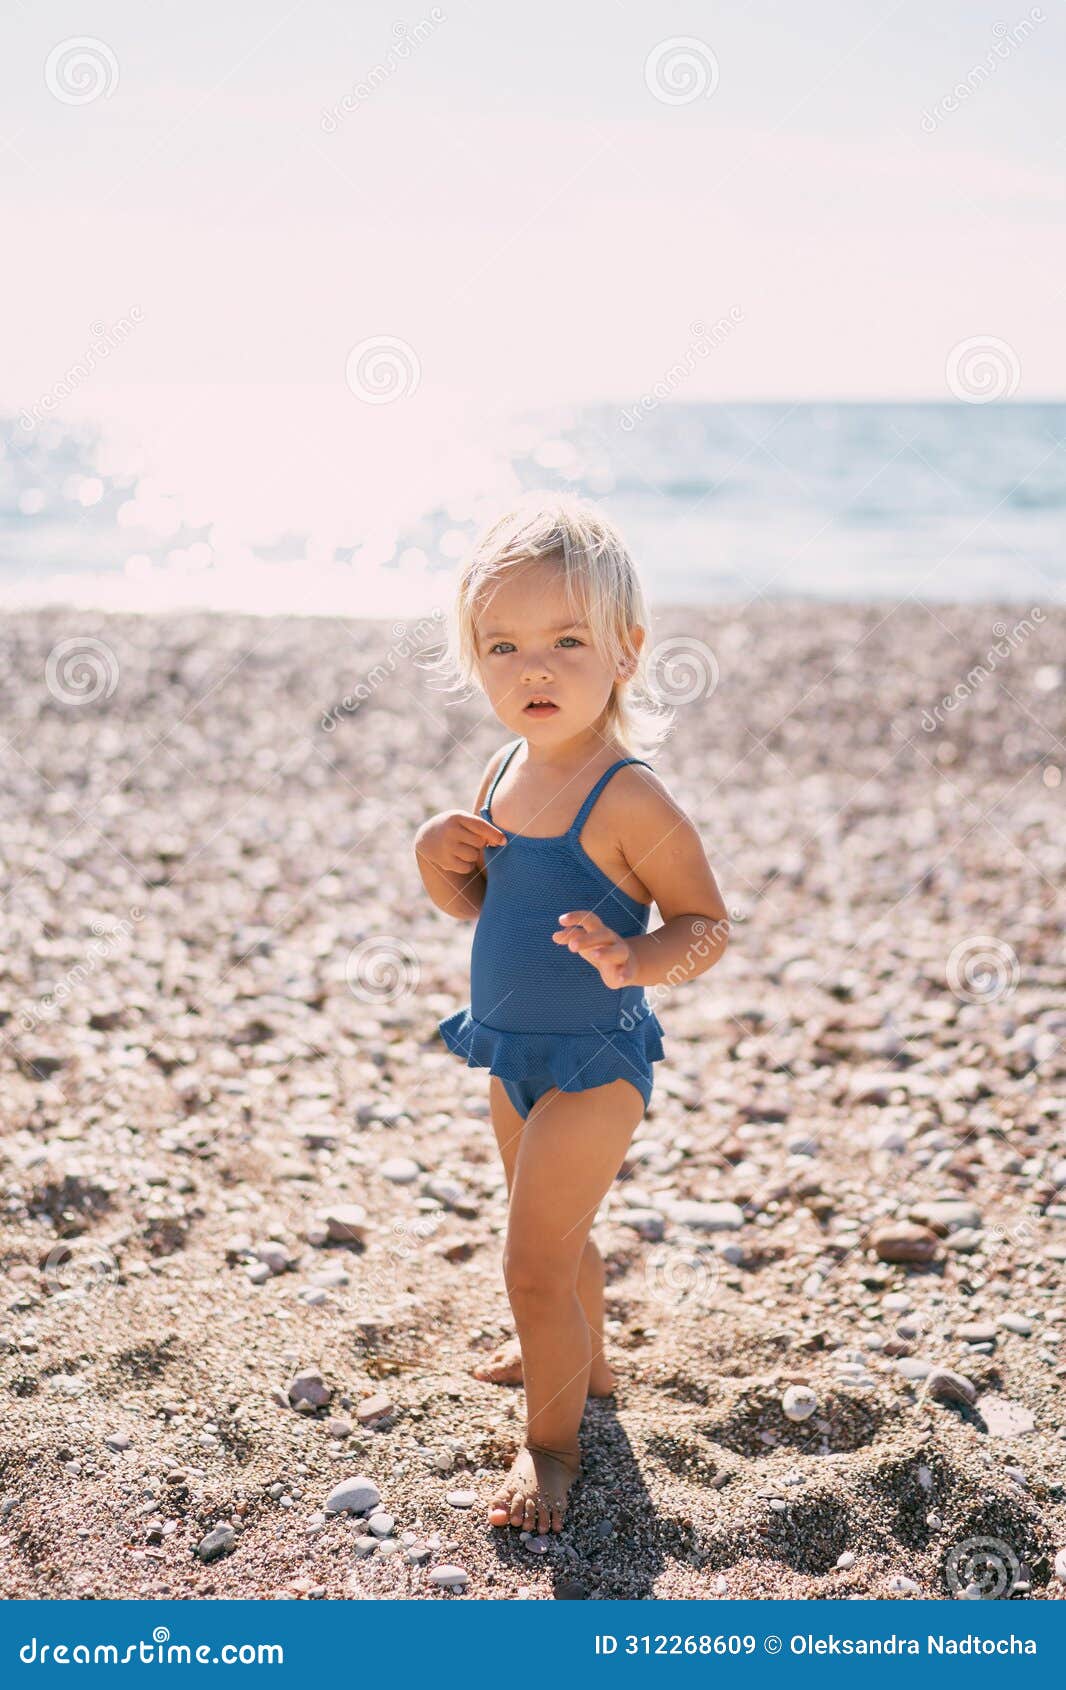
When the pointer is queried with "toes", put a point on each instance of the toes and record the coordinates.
(518, 1508)
(557, 1519)
(501, 1502)
(543, 1518)
(499, 1515)
(531, 1513)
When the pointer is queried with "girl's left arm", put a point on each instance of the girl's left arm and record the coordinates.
(661, 845)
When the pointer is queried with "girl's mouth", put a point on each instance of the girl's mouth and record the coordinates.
(540, 709)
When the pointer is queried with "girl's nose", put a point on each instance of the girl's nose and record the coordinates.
(537, 669)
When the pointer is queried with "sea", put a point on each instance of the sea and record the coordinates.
(719, 503)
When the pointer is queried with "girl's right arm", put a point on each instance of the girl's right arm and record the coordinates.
(448, 851)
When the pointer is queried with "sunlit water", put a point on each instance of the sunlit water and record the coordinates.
(324, 511)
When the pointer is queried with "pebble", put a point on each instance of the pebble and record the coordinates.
(900, 1583)
(353, 1496)
(1016, 1323)
(449, 1577)
(381, 1525)
(400, 1170)
(1003, 1418)
(798, 1402)
(707, 1217)
(965, 1241)
(902, 1241)
(452, 1195)
(647, 1223)
(946, 1215)
(914, 1367)
(1060, 1565)
(846, 1560)
(345, 1223)
(461, 1498)
(307, 1390)
(945, 1386)
(374, 1408)
(272, 1256)
(117, 1440)
(976, 1332)
(68, 1384)
(217, 1542)
(365, 1545)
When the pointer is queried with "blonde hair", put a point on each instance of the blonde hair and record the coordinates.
(601, 580)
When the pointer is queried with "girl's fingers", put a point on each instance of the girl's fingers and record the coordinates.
(587, 919)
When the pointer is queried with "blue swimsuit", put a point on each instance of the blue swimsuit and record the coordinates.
(540, 1015)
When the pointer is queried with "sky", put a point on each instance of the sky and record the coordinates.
(514, 207)
(514, 202)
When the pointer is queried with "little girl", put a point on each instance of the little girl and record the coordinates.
(569, 842)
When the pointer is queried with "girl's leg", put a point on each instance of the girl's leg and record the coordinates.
(571, 1148)
(505, 1366)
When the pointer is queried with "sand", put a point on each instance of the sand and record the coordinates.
(221, 982)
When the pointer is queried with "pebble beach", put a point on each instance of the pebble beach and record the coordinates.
(253, 1209)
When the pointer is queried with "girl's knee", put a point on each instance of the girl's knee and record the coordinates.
(533, 1278)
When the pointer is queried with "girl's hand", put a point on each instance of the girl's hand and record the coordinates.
(454, 841)
(585, 934)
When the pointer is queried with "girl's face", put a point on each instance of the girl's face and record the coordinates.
(531, 647)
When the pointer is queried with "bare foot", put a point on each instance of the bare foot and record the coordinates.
(504, 1367)
(534, 1493)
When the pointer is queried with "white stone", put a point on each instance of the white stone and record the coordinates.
(798, 1402)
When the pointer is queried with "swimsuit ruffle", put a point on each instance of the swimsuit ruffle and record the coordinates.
(575, 1061)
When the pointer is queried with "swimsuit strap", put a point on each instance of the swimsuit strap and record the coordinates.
(582, 815)
(487, 806)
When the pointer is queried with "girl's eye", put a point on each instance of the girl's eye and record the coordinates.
(572, 638)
